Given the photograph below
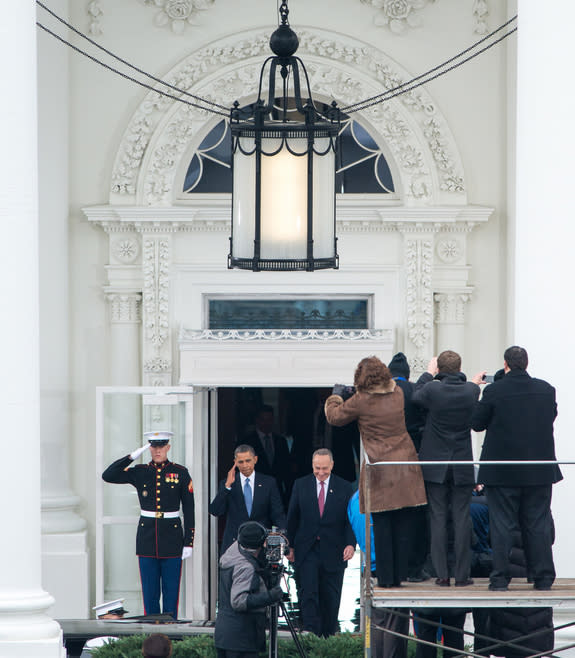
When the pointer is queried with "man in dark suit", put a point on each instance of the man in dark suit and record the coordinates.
(322, 542)
(271, 450)
(449, 399)
(247, 495)
(518, 412)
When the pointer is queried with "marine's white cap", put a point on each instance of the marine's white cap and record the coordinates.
(110, 607)
(159, 437)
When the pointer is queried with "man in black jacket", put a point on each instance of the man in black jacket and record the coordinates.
(518, 413)
(243, 596)
(449, 399)
(246, 488)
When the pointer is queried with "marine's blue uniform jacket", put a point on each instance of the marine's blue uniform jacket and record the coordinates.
(161, 488)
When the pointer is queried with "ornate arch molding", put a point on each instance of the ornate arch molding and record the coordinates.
(421, 148)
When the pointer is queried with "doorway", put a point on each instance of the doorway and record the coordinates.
(298, 418)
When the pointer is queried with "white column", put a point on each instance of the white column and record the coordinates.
(545, 228)
(125, 312)
(25, 628)
(64, 544)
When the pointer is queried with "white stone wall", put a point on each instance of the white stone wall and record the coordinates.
(472, 101)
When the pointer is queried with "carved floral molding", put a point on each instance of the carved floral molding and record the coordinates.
(398, 15)
(156, 304)
(95, 13)
(177, 14)
(410, 125)
(419, 294)
(480, 14)
(221, 335)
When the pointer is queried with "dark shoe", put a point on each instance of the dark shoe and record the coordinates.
(464, 583)
(442, 582)
(542, 587)
(497, 588)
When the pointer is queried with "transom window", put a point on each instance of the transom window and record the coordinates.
(361, 165)
(288, 313)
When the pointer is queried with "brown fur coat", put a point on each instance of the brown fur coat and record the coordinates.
(381, 422)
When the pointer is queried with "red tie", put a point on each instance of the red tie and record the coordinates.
(321, 498)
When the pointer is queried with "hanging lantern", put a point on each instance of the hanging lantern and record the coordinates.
(283, 164)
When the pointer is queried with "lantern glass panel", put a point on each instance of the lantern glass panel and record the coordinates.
(324, 200)
(244, 207)
(283, 201)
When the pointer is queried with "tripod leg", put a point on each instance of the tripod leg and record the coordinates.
(293, 631)
(273, 631)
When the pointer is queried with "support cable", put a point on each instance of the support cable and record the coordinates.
(350, 108)
(129, 77)
(387, 95)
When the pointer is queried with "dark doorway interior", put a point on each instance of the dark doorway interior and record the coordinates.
(298, 416)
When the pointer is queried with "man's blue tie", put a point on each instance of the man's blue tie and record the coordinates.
(248, 496)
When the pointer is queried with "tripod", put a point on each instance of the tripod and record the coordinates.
(273, 630)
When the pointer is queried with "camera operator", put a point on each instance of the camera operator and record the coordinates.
(243, 595)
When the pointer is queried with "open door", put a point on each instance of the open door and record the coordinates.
(123, 415)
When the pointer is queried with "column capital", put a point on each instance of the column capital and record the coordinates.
(450, 306)
(125, 307)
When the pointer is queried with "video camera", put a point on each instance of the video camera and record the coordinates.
(343, 391)
(275, 547)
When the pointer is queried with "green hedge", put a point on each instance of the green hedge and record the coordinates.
(202, 646)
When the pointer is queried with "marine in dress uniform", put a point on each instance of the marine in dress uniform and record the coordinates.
(161, 541)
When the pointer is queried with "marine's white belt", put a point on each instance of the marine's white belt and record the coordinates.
(159, 515)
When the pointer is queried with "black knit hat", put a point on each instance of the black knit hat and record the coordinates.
(398, 366)
(251, 534)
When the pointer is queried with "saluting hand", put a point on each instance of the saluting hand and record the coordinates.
(231, 476)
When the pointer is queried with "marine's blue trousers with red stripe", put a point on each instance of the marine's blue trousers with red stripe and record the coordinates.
(160, 575)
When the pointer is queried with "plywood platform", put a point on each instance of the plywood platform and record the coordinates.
(519, 594)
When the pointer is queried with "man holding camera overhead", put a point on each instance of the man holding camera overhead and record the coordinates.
(243, 596)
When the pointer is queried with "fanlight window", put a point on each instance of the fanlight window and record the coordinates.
(361, 164)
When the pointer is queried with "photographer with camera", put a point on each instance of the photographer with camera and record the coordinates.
(244, 595)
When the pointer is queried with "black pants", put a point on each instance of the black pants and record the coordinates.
(442, 498)
(223, 653)
(392, 537)
(386, 645)
(319, 593)
(527, 509)
(452, 637)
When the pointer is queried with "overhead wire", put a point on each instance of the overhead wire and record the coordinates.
(215, 108)
(423, 78)
(206, 101)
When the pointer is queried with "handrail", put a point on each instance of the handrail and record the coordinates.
(368, 524)
(480, 462)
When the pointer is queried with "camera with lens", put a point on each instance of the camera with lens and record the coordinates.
(343, 391)
(275, 547)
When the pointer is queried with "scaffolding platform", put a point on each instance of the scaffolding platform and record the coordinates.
(429, 595)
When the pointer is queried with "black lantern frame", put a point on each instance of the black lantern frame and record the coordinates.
(273, 158)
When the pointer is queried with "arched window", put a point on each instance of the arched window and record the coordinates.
(361, 164)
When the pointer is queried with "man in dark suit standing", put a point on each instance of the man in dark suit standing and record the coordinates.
(322, 542)
(271, 450)
(450, 400)
(247, 495)
(518, 412)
